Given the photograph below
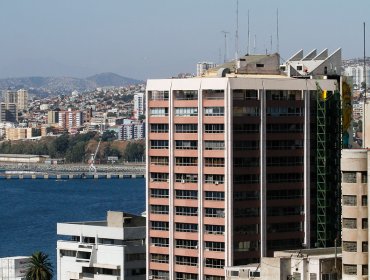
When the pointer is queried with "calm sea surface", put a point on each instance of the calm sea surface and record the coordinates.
(30, 209)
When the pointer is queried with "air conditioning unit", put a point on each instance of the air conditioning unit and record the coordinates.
(150, 277)
(182, 181)
(151, 179)
(216, 182)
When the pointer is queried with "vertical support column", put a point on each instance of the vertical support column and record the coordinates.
(228, 183)
(307, 167)
(171, 185)
(147, 182)
(263, 219)
(200, 184)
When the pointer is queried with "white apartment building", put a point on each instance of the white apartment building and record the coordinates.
(202, 67)
(133, 130)
(102, 250)
(139, 104)
(20, 98)
(13, 268)
(313, 264)
(357, 73)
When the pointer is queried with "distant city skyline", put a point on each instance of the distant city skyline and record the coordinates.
(149, 39)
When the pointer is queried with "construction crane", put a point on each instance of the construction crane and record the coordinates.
(92, 167)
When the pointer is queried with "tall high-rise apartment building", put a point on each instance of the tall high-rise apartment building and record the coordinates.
(8, 112)
(202, 67)
(355, 234)
(20, 98)
(69, 119)
(139, 104)
(238, 168)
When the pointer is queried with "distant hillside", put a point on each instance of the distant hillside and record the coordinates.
(66, 84)
(111, 79)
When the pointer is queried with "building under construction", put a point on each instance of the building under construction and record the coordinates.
(243, 161)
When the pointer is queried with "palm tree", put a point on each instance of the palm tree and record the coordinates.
(39, 267)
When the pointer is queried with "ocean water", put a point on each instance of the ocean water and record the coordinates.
(31, 209)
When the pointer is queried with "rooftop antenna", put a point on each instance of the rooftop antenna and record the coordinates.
(225, 37)
(237, 32)
(277, 31)
(271, 44)
(365, 62)
(249, 38)
(254, 43)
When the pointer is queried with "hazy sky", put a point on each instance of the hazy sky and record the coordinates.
(161, 38)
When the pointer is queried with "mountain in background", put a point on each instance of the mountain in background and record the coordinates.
(57, 85)
(111, 79)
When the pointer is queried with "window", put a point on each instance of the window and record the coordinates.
(186, 276)
(159, 242)
(246, 179)
(284, 227)
(283, 112)
(246, 127)
(284, 127)
(283, 95)
(155, 225)
(186, 111)
(184, 260)
(284, 194)
(67, 253)
(186, 94)
(245, 94)
(284, 161)
(246, 212)
(246, 229)
(363, 177)
(364, 223)
(350, 246)
(186, 178)
(212, 94)
(215, 212)
(186, 194)
(284, 177)
(246, 162)
(349, 200)
(215, 229)
(159, 160)
(214, 111)
(214, 145)
(246, 195)
(214, 179)
(186, 145)
(284, 211)
(135, 257)
(350, 269)
(215, 246)
(159, 144)
(212, 277)
(186, 161)
(214, 128)
(245, 145)
(159, 177)
(364, 200)
(349, 177)
(215, 263)
(209, 195)
(158, 112)
(214, 162)
(365, 269)
(159, 274)
(284, 144)
(182, 227)
(186, 211)
(260, 65)
(349, 223)
(158, 128)
(158, 94)
(159, 209)
(246, 111)
(186, 128)
(159, 258)
(299, 67)
(159, 193)
(246, 246)
(365, 247)
(186, 244)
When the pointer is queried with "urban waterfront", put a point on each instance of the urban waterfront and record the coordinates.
(30, 209)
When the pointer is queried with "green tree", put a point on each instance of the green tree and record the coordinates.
(109, 135)
(134, 151)
(76, 153)
(39, 267)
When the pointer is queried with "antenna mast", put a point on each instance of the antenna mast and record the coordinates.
(249, 41)
(225, 37)
(277, 31)
(365, 62)
(237, 32)
(254, 44)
